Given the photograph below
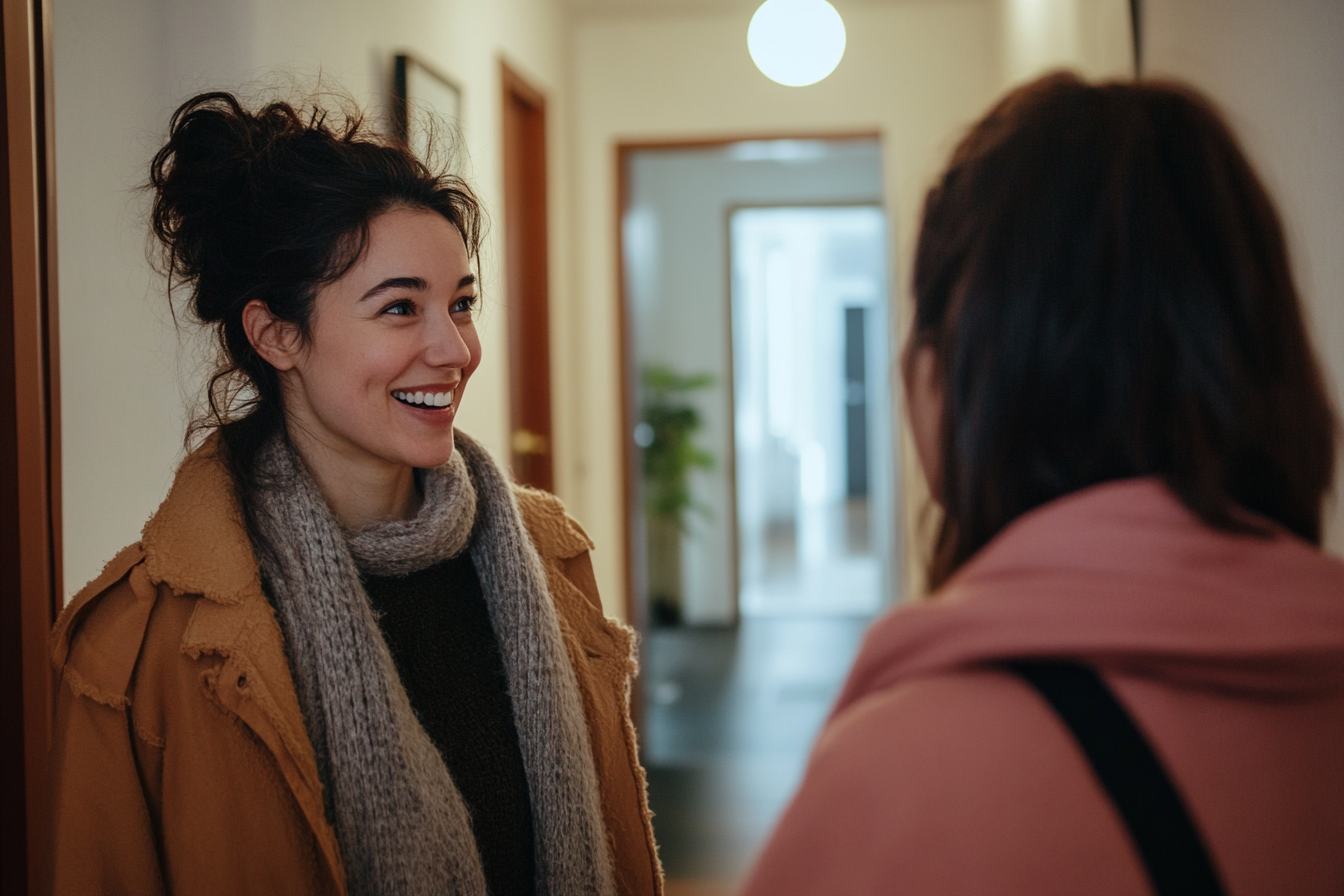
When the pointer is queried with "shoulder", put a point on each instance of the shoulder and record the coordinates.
(958, 783)
(98, 636)
(564, 548)
(967, 742)
(956, 731)
(556, 534)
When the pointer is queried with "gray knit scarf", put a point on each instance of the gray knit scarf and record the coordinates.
(400, 821)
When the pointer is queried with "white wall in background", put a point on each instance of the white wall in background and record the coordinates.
(1277, 70)
(120, 69)
(1092, 37)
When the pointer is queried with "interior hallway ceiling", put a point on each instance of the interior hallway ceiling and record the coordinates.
(606, 8)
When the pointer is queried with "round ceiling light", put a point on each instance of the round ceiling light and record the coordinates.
(796, 42)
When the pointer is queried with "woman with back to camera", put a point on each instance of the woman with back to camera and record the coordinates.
(347, 654)
(1129, 677)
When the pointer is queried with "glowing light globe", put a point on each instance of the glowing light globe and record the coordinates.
(796, 42)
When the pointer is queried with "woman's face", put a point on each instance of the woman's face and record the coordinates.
(391, 346)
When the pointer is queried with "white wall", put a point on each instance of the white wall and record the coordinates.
(917, 71)
(1091, 37)
(121, 68)
(1277, 70)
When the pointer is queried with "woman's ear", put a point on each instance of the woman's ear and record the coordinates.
(277, 341)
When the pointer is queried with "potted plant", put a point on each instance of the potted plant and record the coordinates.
(668, 423)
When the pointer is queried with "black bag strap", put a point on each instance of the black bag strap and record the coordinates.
(1166, 837)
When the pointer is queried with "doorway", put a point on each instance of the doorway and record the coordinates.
(762, 510)
(527, 278)
(30, 439)
(809, 309)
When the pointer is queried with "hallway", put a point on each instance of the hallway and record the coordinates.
(729, 718)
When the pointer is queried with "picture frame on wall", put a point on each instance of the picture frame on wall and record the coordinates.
(420, 89)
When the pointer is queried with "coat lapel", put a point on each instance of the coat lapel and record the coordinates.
(197, 544)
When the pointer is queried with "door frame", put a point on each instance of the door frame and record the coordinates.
(30, 453)
(527, 282)
(632, 553)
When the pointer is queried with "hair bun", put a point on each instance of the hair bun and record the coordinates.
(211, 182)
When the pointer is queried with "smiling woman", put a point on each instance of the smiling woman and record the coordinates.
(374, 389)
(348, 655)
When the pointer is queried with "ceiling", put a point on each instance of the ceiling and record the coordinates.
(620, 8)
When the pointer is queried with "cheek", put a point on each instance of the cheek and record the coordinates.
(352, 368)
(926, 420)
(375, 359)
(924, 407)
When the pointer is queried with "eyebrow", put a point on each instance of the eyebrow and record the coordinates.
(416, 283)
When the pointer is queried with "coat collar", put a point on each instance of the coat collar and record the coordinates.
(1124, 576)
(196, 543)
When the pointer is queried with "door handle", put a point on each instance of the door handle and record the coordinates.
(524, 441)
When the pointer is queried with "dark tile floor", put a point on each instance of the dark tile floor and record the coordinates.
(729, 718)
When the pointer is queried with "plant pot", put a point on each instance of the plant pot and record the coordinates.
(664, 569)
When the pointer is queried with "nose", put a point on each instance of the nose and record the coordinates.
(444, 345)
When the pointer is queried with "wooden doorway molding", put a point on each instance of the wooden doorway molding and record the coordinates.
(633, 550)
(30, 577)
(527, 275)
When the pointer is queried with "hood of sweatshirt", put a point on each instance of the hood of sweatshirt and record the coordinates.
(1123, 577)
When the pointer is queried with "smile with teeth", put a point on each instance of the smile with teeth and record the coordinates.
(425, 399)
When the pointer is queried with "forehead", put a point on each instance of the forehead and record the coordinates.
(415, 242)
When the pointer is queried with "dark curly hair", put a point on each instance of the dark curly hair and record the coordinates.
(1106, 286)
(273, 205)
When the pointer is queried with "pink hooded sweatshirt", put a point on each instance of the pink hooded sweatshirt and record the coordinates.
(939, 773)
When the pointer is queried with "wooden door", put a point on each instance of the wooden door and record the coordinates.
(526, 279)
(29, 445)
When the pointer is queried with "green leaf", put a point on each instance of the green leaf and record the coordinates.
(671, 455)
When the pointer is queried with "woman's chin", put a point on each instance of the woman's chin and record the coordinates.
(426, 457)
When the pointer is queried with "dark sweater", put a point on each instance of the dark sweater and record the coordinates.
(438, 628)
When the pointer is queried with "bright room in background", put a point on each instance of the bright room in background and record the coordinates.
(757, 317)
(811, 343)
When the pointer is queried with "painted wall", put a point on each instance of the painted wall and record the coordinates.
(1277, 70)
(127, 376)
(1091, 37)
(915, 71)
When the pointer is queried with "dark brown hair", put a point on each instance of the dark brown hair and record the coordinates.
(272, 205)
(1106, 287)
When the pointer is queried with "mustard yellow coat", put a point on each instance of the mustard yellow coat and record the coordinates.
(181, 762)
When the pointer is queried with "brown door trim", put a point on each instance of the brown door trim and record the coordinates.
(29, 457)
(527, 274)
(631, 555)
